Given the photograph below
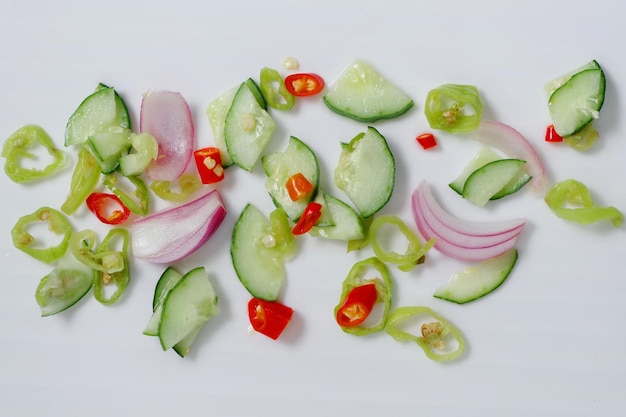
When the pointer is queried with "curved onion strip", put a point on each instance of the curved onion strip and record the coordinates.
(464, 240)
(514, 144)
(167, 117)
(174, 233)
(454, 231)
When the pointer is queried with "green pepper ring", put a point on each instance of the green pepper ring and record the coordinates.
(57, 224)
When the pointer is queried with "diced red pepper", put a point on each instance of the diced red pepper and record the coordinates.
(299, 187)
(426, 140)
(358, 305)
(552, 136)
(304, 84)
(108, 208)
(269, 317)
(310, 216)
(209, 164)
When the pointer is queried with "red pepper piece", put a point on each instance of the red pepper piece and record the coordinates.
(552, 136)
(304, 84)
(108, 208)
(269, 317)
(299, 187)
(426, 140)
(358, 305)
(310, 216)
(209, 164)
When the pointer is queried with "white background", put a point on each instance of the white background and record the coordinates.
(549, 342)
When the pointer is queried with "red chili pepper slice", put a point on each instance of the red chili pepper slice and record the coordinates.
(108, 208)
(304, 84)
(269, 317)
(299, 187)
(209, 164)
(310, 216)
(426, 140)
(358, 305)
(552, 136)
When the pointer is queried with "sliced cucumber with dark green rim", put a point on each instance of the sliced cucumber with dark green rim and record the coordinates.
(484, 156)
(248, 128)
(347, 223)
(187, 307)
(109, 146)
(259, 250)
(363, 94)
(490, 179)
(100, 111)
(280, 166)
(577, 103)
(366, 171)
(479, 280)
(169, 278)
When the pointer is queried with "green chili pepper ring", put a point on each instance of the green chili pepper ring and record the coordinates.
(57, 224)
(356, 277)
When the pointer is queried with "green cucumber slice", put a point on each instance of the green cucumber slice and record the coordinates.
(347, 223)
(366, 171)
(280, 166)
(248, 128)
(68, 282)
(363, 94)
(187, 307)
(169, 278)
(577, 103)
(559, 81)
(259, 250)
(183, 347)
(97, 113)
(488, 180)
(108, 147)
(146, 149)
(216, 112)
(477, 281)
(484, 156)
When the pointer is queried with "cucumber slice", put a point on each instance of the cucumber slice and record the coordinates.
(169, 278)
(97, 113)
(366, 171)
(259, 250)
(347, 223)
(577, 102)
(216, 112)
(488, 180)
(248, 128)
(109, 147)
(183, 347)
(280, 166)
(559, 81)
(326, 219)
(363, 94)
(68, 282)
(477, 281)
(187, 307)
(482, 157)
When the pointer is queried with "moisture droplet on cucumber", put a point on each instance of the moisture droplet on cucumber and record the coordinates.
(366, 171)
(477, 281)
(363, 94)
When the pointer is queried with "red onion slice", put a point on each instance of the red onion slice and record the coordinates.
(167, 117)
(514, 144)
(172, 234)
(461, 239)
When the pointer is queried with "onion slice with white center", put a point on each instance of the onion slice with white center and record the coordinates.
(515, 145)
(174, 233)
(461, 239)
(167, 117)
